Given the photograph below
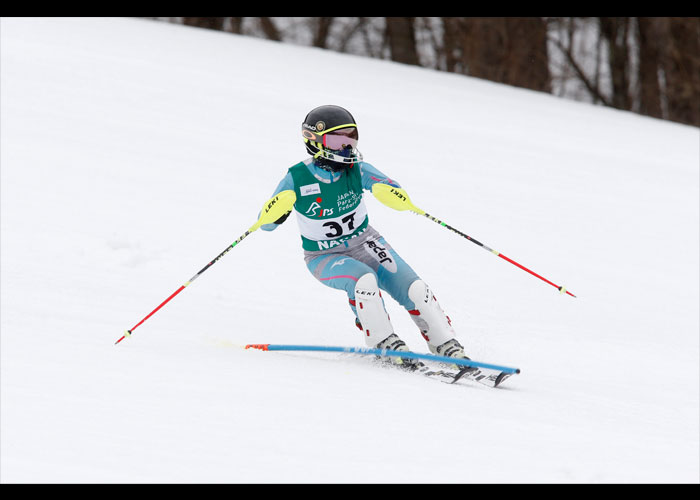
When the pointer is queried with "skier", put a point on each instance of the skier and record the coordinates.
(343, 251)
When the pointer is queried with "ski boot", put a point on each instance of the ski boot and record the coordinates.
(394, 343)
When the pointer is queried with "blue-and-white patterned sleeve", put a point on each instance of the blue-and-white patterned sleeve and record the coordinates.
(371, 176)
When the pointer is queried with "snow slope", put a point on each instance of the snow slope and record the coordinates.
(133, 152)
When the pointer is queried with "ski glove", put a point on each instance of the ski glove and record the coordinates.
(393, 197)
(283, 218)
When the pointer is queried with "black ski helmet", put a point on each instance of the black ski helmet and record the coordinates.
(324, 131)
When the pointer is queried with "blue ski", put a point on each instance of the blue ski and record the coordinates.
(485, 373)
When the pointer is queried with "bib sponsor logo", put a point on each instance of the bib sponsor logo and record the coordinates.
(310, 189)
(315, 206)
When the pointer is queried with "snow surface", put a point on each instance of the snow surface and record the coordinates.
(133, 152)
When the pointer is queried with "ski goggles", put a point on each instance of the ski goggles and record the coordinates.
(337, 138)
(340, 139)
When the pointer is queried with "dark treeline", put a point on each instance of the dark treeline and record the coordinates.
(648, 65)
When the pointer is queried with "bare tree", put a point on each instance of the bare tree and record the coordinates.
(269, 28)
(358, 27)
(321, 31)
(527, 53)
(212, 23)
(451, 43)
(236, 25)
(510, 50)
(565, 36)
(401, 37)
(647, 65)
(616, 32)
(682, 70)
(649, 32)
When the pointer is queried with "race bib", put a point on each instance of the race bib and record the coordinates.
(333, 227)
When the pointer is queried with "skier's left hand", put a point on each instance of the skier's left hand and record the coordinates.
(394, 197)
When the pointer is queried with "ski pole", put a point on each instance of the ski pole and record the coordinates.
(398, 199)
(272, 210)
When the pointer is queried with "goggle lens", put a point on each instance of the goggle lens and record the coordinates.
(341, 139)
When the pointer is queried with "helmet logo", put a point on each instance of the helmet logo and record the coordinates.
(308, 135)
(320, 126)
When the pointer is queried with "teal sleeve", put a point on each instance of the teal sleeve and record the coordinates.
(371, 176)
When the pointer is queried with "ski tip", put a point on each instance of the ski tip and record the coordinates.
(262, 347)
(504, 375)
(501, 377)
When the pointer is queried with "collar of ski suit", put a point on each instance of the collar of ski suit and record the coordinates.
(322, 174)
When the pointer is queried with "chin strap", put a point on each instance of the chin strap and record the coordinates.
(322, 155)
(331, 166)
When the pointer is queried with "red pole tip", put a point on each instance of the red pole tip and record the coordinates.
(262, 347)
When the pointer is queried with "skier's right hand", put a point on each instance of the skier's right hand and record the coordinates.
(283, 218)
